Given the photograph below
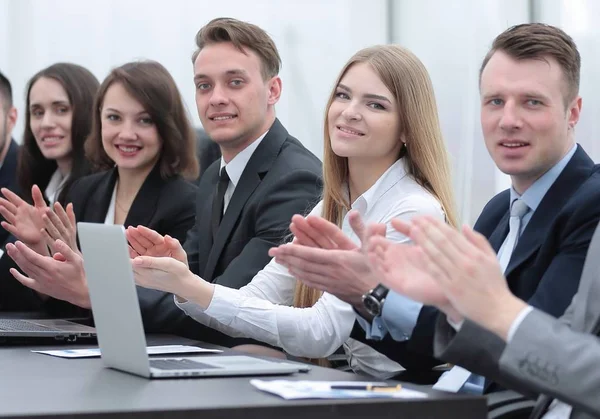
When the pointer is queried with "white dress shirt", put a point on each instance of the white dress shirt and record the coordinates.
(110, 214)
(236, 167)
(262, 309)
(55, 185)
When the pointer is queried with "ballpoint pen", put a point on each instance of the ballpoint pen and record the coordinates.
(367, 387)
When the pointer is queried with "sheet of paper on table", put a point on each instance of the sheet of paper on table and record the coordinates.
(291, 390)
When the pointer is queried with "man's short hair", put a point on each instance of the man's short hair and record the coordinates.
(538, 41)
(5, 92)
(244, 36)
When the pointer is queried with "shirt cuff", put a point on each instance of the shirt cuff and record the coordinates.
(455, 325)
(373, 330)
(517, 322)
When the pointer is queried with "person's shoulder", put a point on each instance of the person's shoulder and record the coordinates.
(89, 181)
(587, 195)
(295, 156)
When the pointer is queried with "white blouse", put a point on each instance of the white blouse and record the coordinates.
(55, 185)
(262, 309)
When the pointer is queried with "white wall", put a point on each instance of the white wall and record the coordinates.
(314, 38)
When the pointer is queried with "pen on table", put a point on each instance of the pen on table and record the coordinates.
(366, 387)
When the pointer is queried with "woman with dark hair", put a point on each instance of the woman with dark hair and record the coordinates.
(58, 117)
(58, 112)
(144, 144)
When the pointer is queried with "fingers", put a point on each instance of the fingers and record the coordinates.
(308, 255)
(20, 253)
(69, 254)
(8, 215)
(137, 241)
(315, 230)
(54, 225)
(478, 240)
(28, 282)
(132, 253)
(150, 235)
(38, 198)
(401, 226)
(300, 237)
(177, 250)
(71, 215)
(63, 217)
(12, 197)
(12, 208)
(357, 224)
(10, 228)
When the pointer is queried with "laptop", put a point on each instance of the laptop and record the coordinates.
(56, 329)
(119, 321)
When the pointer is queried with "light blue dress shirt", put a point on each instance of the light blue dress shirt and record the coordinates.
(399, 315)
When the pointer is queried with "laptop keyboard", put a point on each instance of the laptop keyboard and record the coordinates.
(8, 325)
(179, 364)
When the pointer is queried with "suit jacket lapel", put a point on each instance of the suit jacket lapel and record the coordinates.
(257, 166)
(576, 171)
(145, 202)
(499, 234)
(97, 207)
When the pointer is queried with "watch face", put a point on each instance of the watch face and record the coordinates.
(372, 305)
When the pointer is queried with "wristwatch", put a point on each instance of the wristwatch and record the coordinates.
(373, 300)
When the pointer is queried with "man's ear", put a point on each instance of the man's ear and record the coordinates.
(274, 90)
(11, 120)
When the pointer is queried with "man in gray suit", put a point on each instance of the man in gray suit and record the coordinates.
(488, 330)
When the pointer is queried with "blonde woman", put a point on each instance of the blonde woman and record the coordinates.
(384, 157)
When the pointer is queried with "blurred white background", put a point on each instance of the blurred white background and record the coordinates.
(315, 38)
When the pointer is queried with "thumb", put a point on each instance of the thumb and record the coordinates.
(38, 198)
(148, 262)
(65, 251)
(357, 224)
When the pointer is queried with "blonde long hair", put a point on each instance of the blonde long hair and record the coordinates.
(425, 153)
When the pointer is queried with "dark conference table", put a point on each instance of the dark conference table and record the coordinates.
(42, 386)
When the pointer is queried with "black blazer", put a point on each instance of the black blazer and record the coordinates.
(207, 151)
(166, 206)
(282, 178)
(8, 179)
(546, 264)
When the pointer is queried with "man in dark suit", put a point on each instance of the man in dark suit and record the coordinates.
(247, 198)
(9, 149)
(529, 107)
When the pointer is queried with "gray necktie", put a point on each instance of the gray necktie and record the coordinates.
(517, 211)
(457, 377)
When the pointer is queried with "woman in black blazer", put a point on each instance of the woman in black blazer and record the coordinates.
(58, 116)
(143, 140)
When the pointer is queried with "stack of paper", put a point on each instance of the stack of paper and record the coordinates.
(290, 390)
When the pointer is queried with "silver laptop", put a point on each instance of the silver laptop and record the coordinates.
(57, 329)
(119, 322)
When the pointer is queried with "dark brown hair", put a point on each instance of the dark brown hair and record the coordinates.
(5, 92)
(242, 35)
(33, 168)
(538, 41)
(150, 84)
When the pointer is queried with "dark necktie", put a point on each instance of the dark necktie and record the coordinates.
(219, 202)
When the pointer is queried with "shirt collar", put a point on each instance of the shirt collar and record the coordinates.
(55, 184)
(385, 182)
(236, 166)
(536, 192)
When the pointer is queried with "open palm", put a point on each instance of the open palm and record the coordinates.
(23, 220)
(406, 269)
